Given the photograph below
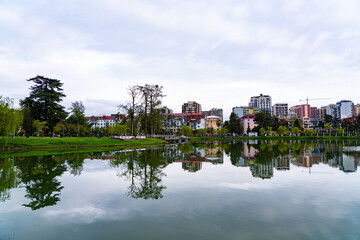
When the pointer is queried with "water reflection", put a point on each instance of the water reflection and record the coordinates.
(144, 169)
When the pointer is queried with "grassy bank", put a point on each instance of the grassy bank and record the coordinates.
(73, 142)
(57, 151)
(195, 139)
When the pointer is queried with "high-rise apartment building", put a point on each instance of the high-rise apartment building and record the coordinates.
(280, 110)
(344, 109)
(191, 107)
(301, 111)
(330, 110)
(262, 102)
(314, 113)
(322, 112)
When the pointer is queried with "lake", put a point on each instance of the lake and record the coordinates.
(209, 190)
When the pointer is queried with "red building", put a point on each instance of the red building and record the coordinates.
(301, 111)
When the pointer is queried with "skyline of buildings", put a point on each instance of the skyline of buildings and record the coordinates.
(193, 116)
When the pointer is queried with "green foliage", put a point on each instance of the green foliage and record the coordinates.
(186, 131)
(223, 131)
(263, 120)
(77, 116)
(310, 132)
(186, 148)
(40, 126)
(44, 101)
(282, 130)
(234, 124)
(218, 123)
(10, 118)
(201, 131)
(295, 130)
(340, 130)
(117, 129)
(296, 122)
(150, 110)
(262, 131)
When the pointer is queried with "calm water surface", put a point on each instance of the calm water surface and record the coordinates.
(213, 190)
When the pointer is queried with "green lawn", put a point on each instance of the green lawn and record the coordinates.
(46, 142)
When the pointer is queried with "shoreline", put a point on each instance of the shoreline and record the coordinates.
(193, 139)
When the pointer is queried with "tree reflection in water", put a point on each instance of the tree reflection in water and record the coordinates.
(9, 178)
(144, 170)
(39, 175)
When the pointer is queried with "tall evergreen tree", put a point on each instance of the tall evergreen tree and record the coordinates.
(44, 100)
(234, 124)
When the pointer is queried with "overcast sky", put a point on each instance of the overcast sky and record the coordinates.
(218, 53)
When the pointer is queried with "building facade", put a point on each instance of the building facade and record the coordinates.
(344, 109)
(103, 121)
(322, 112)
(357, 110)
(301, 111)
(280, 110)
(262, 102)
(174, 121)
(330, 110)
(314, 113)
(191, 107)
(166, 110)
(212, 122)
(214, 112)
(248, 122)
(242, 111)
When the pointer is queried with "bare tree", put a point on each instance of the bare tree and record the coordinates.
(131, 107)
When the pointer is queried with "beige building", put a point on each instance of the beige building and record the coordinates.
(357, 109)
(210, 122)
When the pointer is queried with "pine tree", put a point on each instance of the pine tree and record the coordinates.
(44, 100)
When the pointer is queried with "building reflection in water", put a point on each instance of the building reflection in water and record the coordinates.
(192, 156)
(263, 158)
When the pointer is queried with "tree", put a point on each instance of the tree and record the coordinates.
(201, 131)
(262, 131)
(155, 99)
(77, 116)
(10, 118)
(234, 125)
(263, 120)
(150, 113)
(348, 125)
(134, 92)
(44, 100)
(186, 131)
(295, 130)
(340, 131)
(218, 123)
(40, 126)
(132, 107)
(282, 130)
(296, 122)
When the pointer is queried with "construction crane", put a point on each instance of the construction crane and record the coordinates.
(307, 99)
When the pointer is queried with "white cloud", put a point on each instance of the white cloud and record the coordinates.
(218, 53)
